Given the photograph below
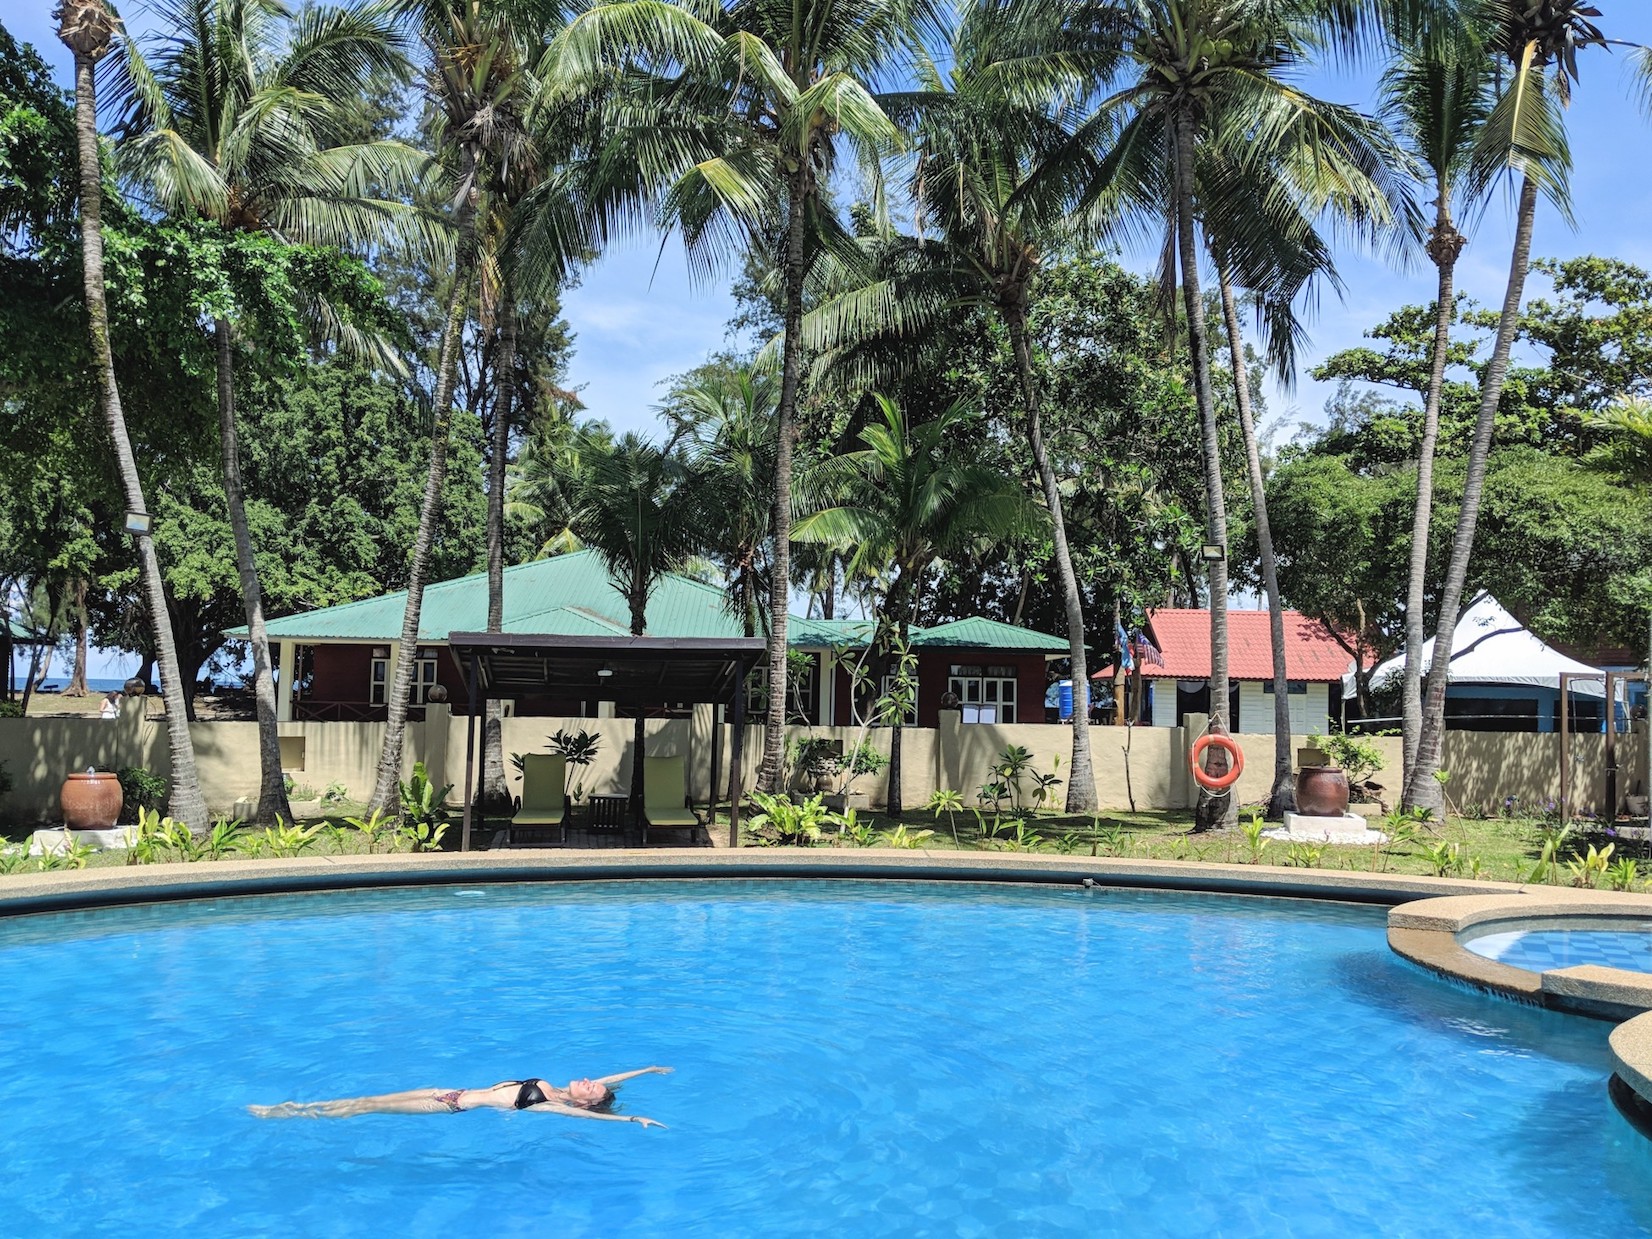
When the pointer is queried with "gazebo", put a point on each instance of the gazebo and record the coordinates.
(628, 671)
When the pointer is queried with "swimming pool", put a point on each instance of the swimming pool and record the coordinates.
(860, 1058)
(1540, 949)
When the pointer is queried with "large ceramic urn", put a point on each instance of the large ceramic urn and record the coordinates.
(1321, 791)
(90, 801)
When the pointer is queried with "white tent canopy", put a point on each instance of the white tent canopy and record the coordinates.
(1489, 646)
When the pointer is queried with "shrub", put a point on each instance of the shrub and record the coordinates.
(422, 801)
(11, 709)
(140, 789)
(1358, 757)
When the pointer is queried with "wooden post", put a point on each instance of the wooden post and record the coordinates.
(1611, 747)
(736, 754)
(470, 751)
(716, 758)
(1564, 798)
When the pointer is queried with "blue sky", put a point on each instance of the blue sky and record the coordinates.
(638, 318)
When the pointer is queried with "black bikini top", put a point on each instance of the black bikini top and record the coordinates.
(528, 1095)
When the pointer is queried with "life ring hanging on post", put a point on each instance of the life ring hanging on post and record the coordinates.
(1236, 762)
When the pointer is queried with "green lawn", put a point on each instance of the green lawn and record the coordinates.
(1496, 849)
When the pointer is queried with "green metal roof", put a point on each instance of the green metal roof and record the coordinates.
(815, 634)
(21, 634)
(565, 594)
(977, 632)
(571, 595)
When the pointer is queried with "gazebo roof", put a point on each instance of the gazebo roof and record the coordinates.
(630, 671)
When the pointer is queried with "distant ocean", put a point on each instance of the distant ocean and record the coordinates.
(93, 684)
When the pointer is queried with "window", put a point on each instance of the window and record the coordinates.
(1293, 688)
(424, 676)
(801, 676)
(986, 694)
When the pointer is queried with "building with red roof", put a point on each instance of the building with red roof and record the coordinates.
(1179, 678)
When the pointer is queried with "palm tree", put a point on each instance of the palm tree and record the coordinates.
(986, 225)
(474, 74)
(724, 418)
(748, 105)
(1524, 133)
(1436, 100)
(238, 115)
(88, 28)
(1196, 139)
(637, 506)
(906, 499)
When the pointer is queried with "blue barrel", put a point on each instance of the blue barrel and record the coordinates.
(1066, 699)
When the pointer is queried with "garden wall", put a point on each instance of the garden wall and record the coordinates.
(1486, 768)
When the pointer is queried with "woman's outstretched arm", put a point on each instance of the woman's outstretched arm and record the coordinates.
(610, 1081)
(579, 1112)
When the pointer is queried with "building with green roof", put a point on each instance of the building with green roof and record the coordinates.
(341, 658)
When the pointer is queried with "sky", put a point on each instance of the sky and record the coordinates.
(638, 318)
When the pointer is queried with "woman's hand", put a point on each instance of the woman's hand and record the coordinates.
(647, 1122)
(660, 1071)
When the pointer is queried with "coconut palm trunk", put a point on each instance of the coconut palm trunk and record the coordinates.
(387, 784)
(1081, 785)
(1219, 809)
(87, 29)
(771, 771)
(1422, 789)
(495, 792)
(272, 790)
(1282, 797)
(1445, 243)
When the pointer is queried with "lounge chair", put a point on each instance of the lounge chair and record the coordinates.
(544, 801)
(665, 796)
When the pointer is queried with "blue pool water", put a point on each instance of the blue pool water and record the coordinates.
(852, 1059)
(1539, 950)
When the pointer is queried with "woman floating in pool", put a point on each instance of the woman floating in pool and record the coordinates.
(582, 1099)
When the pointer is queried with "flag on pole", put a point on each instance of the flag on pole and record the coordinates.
(1147, 651)
(1123, 638)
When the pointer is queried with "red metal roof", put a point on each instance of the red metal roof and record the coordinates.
(1182, 636)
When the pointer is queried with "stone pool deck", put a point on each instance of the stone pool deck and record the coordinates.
(1425, 917)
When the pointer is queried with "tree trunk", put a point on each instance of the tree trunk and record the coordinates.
(639, 728)
(772, 769)
(494, 795)
(28, 680)
(185, 804)
(1282, 797)
(1220, 809)
(272, 790)
(1081, 781)
(1422, 789)
(77, 676)
(1445, 243)
(387, 785)
(44, 670)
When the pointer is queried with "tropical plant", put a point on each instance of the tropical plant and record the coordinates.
(1535, 47)
(781, 821)
(373, 828)
(1624, 875)
(630, 501)
(985, 116)
(1255, 842)
(899, 503)
(1304, 855)
(88, 28)
(284, 839)
(238, 115)
(945, 800)
(1589, 868)
(474, 72)
(1357, 756)
(422, 800)
(750, 103)
(220, 841)
(1208, 132)
(902, 837)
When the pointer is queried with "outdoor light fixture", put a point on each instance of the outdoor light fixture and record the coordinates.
(138, 523)
(1213, 552)
(605, 671)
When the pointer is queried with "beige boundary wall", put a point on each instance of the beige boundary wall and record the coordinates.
(1485, 767)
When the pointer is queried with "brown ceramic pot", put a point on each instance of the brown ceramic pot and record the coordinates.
(1321, 791)
(91, 801)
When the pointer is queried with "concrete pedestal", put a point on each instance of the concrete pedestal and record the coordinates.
(57, 840)
(1349, 828)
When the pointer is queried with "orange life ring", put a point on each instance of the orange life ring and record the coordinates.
(1236, 762)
